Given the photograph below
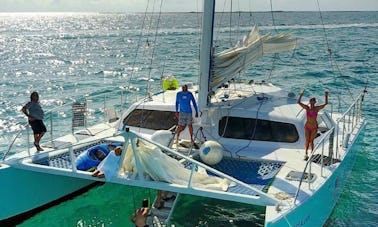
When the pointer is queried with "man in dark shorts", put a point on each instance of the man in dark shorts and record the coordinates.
(35, 114)
(184, 111)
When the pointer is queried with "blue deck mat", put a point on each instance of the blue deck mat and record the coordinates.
(62, 160)
(258, 174)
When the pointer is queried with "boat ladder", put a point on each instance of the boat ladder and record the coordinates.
(160, 217)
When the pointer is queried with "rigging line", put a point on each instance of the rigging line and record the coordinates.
(138, 44)
(162, 78)
(308, 84)
(254, 129)
(331, 59)
(146, 98)
(239, 21)
(230, 21)
(218, 27)
(133, 191)
(295, 48)
(273, 20)
(149, 27)
(154, 48)
(365, 89)
(251, 15)
(275, 57)
(238, 30)
(339, 71)
(199, 25)
(324, 30)
(238, 25)
(223, 132)
(149, 197)
(148, 31)
(217, 138)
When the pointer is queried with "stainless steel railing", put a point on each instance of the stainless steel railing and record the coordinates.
(59, 119)
(131, 139)
(343, 127)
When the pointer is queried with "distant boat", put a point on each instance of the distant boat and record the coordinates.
(249, 144)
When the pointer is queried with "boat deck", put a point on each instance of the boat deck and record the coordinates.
(62, 160)
(256, 180)
(258, 174)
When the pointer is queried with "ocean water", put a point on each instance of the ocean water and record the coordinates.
(66, 56)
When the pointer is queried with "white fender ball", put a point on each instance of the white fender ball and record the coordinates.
(211, 152)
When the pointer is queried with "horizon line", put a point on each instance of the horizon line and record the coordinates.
(241, 11)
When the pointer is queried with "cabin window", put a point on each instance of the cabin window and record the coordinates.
(151, 119)
(257, 129)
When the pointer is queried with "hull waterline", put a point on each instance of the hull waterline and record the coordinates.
(25, 192)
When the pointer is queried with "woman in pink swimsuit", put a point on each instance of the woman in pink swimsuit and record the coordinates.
(311, 125)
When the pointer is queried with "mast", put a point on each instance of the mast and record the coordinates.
(205, 52)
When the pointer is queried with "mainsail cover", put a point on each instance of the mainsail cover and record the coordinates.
(232, 61)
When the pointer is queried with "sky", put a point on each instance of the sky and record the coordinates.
(182, 5)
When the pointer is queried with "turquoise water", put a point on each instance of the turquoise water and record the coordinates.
(65, 56)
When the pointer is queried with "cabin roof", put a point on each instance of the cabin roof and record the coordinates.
(260, 99)
(263, 100)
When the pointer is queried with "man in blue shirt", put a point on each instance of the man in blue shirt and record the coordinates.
(184, 111)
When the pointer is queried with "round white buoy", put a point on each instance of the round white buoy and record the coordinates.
(162, 137)
(211, 152)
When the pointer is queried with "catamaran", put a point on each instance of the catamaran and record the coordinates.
(249, 144)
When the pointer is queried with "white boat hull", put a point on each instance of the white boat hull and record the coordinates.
(23, 191)
(316, 210)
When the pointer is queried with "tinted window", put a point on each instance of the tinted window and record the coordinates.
(256, 129)
(151, 119)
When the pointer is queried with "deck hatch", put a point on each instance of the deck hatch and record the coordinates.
(297, 176)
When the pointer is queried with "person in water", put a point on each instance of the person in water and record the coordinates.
(139, 217)
(35, 114)
(184, 111)
(108, 167)
(311, 125)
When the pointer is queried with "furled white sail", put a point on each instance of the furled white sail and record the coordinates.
(230, 62)
(161, 167)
